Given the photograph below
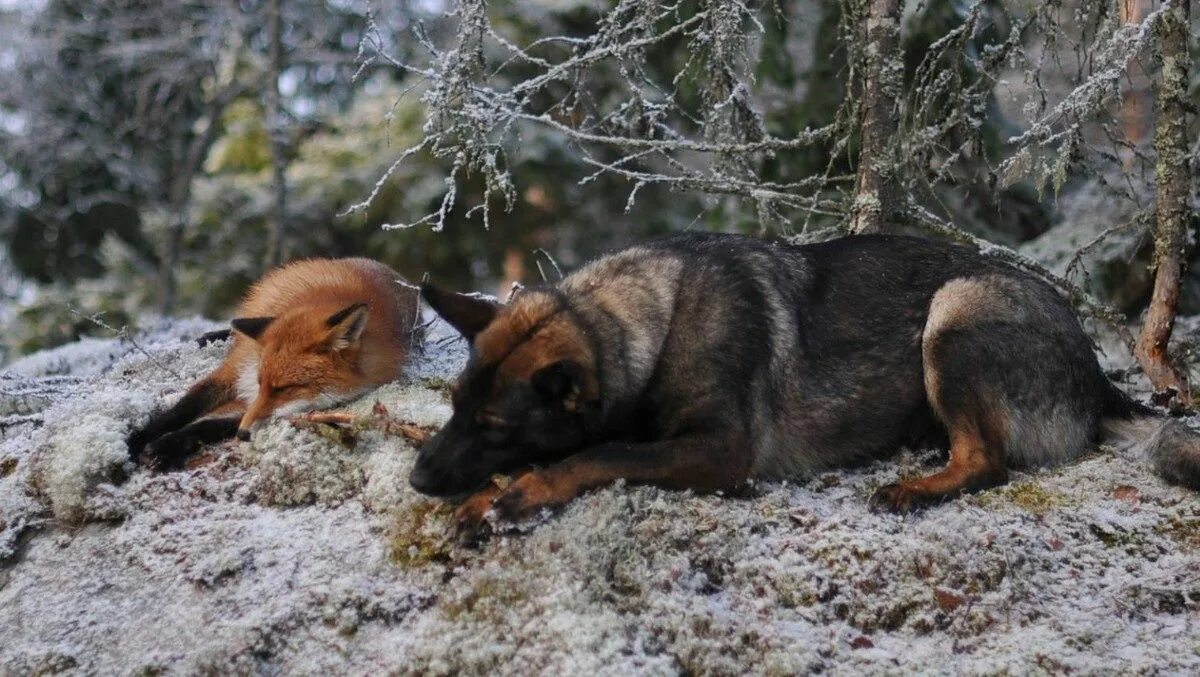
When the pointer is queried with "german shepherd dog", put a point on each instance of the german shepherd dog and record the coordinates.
(700, 361)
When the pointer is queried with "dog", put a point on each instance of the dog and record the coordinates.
(701, 361)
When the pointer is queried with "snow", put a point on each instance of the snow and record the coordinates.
(298, 553)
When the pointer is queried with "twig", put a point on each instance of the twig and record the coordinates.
(550, 259)
(123, 334)
(379, 419)
(414, 433)
(326, 417)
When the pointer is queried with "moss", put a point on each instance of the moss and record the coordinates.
(53, 663)
(1035, 498)
(890, 618)
(345, 437)
(1028, 496)
(440, 385)
(8, 466)
(1132, 543)
(1183, 529)
(418, 536)
(791, 598)
(304, 463)
(841, 557)
(486, 600)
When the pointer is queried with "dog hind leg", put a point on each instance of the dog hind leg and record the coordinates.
(975, 464)
(1011, 375)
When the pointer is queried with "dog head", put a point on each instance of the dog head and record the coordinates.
(527, 395)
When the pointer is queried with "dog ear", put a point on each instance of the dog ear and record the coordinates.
(468, 313)
(251, 326)
(346, 325)
(561, 381)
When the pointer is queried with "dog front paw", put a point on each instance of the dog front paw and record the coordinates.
(529, 495)
(896, 498)
(470, 523)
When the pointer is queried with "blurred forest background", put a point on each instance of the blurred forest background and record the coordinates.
(156, 157)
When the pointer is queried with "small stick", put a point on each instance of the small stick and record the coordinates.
(326, 417)
(390, 426)
(549, 258)
(380, 420)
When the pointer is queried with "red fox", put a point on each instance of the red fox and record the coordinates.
(307, 335)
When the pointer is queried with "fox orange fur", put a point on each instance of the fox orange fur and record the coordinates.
(307, 335)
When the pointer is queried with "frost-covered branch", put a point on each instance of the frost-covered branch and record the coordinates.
(691, 124)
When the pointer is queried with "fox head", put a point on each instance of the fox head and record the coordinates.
(528, 394)
(307, 359)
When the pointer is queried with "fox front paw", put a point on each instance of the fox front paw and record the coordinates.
(136, 442)
(168, 452)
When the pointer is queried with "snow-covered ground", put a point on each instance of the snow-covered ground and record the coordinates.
(300, 553)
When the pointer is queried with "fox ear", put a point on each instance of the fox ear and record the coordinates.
(561, 381)
(468, 313)
(346, 325)
(251, 326)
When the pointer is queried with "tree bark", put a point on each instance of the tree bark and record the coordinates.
(276, 132)
(877, 197)
(1136, 100)
(1172, 210)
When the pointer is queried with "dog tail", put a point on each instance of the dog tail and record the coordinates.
(1171, 446)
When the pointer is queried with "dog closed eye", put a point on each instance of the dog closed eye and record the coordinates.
(491, 419)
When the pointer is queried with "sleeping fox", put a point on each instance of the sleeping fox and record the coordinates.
(700, 361)
(308, 335)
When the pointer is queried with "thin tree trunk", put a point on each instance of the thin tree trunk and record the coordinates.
(179, 195)
(877, 198)
(1135, 100)
(277, 216)
(167, 265)
(1172, 212)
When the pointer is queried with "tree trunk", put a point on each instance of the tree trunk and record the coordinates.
(180, 196)
(168, 263)
(1172, 210)
(276, 132)
(1136, 100)
(877, 198)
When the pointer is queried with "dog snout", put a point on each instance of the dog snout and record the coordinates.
(425, 480)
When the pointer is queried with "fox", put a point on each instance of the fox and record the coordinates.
(703, 361)
(308, 335)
